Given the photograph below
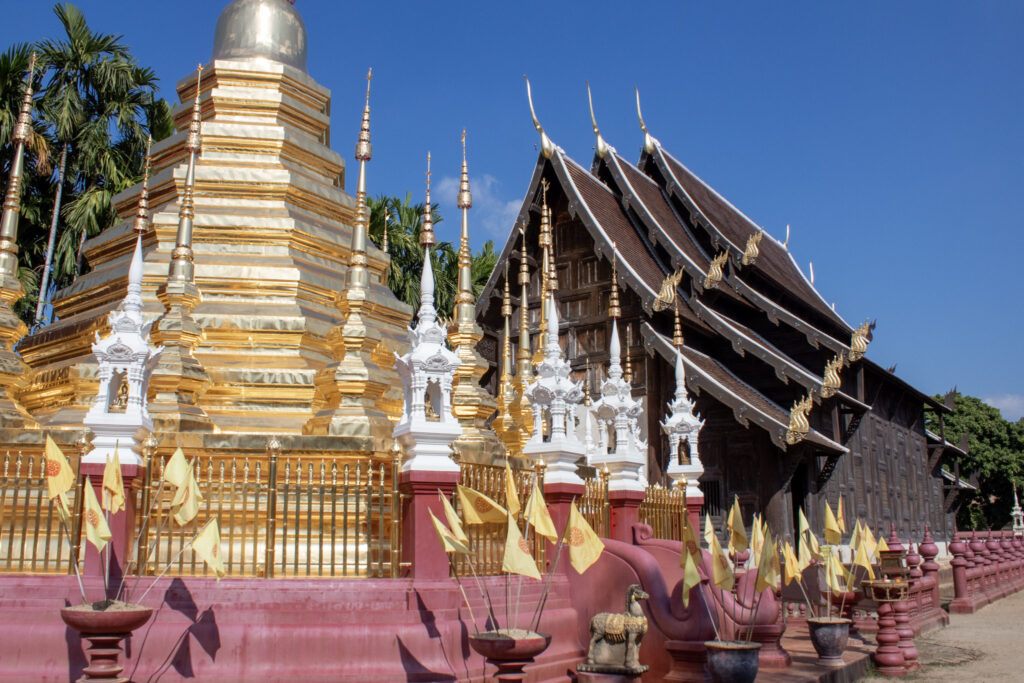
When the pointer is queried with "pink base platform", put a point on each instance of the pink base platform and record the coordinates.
(282, 630)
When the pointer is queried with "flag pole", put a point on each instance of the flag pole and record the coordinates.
(455, 573)
(184, 547)
(539, 609)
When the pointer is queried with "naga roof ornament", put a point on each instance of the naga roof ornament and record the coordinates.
(667, 294)
(750, 253)
(798, 424)
(832, 382)
(601, 147)
(547, 148)
(859, 340)
(715, 273)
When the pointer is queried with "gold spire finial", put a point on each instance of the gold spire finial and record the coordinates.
(182, 270)
(427, 225)
(465, 311)
(142, 212)
(677, 330)
(601, 147)
(506, 313)
(547, 147)
(614, 310)
(358, 277)
(649, 141)
(384, 237)
(195, 141)
(524, 315)
(586, 385)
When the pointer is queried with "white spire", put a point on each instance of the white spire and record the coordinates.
(615, 353)
(427, 311)
(133, 300)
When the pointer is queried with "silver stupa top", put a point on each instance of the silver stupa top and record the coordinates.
(261, 28)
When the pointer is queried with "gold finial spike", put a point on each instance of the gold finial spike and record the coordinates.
(677, 330)
(506, 313)
(427, 225)
(506, 301)
(525, 370)
(142, 212)
(547, 147)
(601, 147)
(586, 385)
(465, 311)
(649, 141)
(12, 200)
(384, 237)
(194, 143)
(614, 310)
(364, 150)
(182, 269)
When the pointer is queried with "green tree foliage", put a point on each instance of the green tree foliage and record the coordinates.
(404, 223)
(95, 102)
(996, 456)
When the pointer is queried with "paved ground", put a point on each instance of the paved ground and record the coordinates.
(985, 646)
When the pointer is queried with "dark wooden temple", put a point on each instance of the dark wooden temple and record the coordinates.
(756, 342)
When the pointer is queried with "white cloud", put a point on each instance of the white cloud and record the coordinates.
(1010, 405)
(490, 211)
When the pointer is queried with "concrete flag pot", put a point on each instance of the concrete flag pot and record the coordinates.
(105, 629)
(829, 635)
(510, 650)
(732, 661)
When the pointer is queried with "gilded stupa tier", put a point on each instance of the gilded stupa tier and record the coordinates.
(271, 242)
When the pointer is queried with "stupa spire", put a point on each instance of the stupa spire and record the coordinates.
(464, 308)
(427, 224)
(358, 277)
(525, 369)
(141, 225)
(427, 313)
(13, 370)
(180, 378)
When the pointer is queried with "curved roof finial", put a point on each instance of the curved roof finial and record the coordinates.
(602, 147)
(649, 141)
(547, 148)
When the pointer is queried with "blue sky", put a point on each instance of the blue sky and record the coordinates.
(888, 135)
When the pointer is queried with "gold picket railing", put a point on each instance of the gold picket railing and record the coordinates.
(663, 510)
(487, 541)
(31, 538)
(297, 518)
(594, 505)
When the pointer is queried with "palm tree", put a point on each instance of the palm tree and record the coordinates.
(404, 222)
(98, 103)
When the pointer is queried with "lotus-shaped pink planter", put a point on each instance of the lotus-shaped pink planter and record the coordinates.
(104, 629)
(510, 650)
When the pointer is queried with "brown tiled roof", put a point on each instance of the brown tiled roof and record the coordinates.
(707, 374)
(600, 209)
(773, 261)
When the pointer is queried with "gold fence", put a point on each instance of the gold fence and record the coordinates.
(31, 538)
(663, 510)
(487, 541)
(594, 506)
(313, 518)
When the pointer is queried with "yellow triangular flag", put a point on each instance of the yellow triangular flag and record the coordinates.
(478, 508)
(882, 546)
(791, 564)
(691, 578)
(767, 576)
(517, 558)
(452, 518)
(511, 492)
(841, 518)
(804, 525)
(207, 546)
(756, 543)
(187, 498)
(690, 544)
(59, 475)
(584, 545)
(833, 534)
(804, 559)
(869, 542)
(723, 576)
(176, 469)
(449, 542)
(861, 560)
(812, 544)
(857, 537)
(537, 514)
(832, 575)
(113, 485)
(709, 531)
(738, 533)
(96, 529)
